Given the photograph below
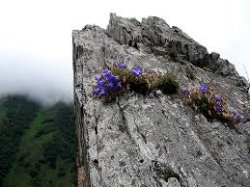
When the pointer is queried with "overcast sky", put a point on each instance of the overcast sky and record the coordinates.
(36, 44)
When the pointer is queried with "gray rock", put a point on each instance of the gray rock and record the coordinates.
(173, 182)
(155, 141)
(154, 31)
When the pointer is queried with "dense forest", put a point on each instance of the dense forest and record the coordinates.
(37, 144)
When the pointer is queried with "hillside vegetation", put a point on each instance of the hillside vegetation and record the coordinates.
(37, 145)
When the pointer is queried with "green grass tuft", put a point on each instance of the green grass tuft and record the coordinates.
(140, 85)
(167, 84)
(248, 146)
(190, 73)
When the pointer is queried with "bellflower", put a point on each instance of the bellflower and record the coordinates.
(186, 93)
(98, 78)
(204, 88)
(97, 91)
(112, 85)
(101, 82)
(107, 73)
(119, 84)
(219, 100)
(219, 108)
(137, 71)
(122, 66)
(101, 91)
(104, 91)
(107, 83)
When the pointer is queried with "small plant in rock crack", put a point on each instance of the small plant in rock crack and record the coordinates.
(172, 53)
(167, 84)
(114, 82)
(206, 100)
(135, 79)
(248, 146)
(144, 83)
(190, 73)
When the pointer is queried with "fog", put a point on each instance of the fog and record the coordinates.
(48, 82)
(36, 44)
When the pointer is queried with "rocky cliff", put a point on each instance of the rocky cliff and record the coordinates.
(144, 140)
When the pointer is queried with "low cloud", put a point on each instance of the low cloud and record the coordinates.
(43, 80)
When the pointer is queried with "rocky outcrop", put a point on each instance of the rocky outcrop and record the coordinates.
(154, 31)
(144, 141)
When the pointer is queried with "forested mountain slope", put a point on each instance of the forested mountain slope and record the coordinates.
(37, 144)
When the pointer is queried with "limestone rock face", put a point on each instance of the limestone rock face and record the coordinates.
(149, 142)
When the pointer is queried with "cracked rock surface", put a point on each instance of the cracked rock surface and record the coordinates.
(152, 142)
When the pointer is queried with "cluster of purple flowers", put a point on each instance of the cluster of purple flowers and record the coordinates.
(203, 89)
(122, 66)
(107, 83)
(219, 107)
(137, 71)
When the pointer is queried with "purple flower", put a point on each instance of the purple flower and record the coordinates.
(219, 100)
(115, 83)
(204, 88)
(137, 71)
(122, 66)
(107, 83)
(98, 78)
(104, 91)
(101, 82)
(112, 85)
(186, 93)
(97, 91)
(219, 108)
(100, 91)
(107, 73)
(119, 84)
(114, 78)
